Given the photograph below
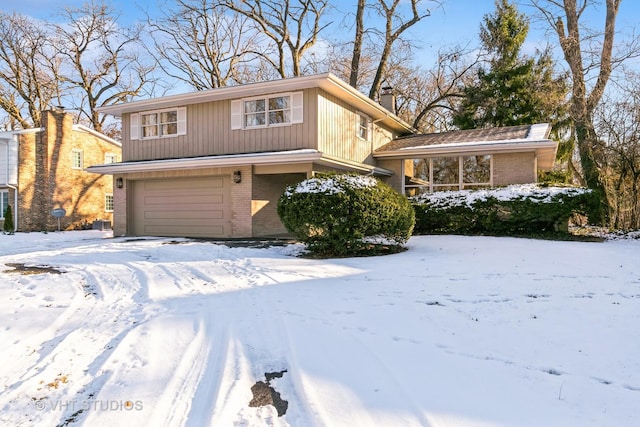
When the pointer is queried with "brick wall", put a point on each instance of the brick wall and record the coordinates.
(514, 168)
(47, 179)
(267, 189)
(241, 203)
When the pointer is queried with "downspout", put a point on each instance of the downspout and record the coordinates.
(15, 189)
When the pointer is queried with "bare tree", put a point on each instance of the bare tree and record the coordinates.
(617, 121)
(395, 25)
(358, 40)
(27, 84)
(101, 60)
(433, 94)
(201, 45)
(589, 53)
(292, 26)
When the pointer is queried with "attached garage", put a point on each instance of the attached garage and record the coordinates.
(181, 207)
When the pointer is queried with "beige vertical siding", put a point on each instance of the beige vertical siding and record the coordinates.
(337, 131)
(395, 165)
(209, 133)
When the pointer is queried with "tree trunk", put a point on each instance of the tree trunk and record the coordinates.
(357, 45)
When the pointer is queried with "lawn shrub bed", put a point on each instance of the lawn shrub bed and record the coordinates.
(516, 209)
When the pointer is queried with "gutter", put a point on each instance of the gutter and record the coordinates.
(231, 160)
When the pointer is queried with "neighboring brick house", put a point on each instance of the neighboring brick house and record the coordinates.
(42, 169)
(214, 163)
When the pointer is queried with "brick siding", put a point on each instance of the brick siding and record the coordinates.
(46, 179)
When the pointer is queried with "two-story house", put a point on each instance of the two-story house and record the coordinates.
(43, 169)
(214, 163)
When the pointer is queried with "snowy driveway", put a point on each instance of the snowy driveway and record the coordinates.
(457, 331)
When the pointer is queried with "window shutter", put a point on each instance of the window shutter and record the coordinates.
(134, 126)
(296, 107)
(236, 114)
(182, 121)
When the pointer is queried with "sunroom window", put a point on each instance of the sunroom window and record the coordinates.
(447, 173)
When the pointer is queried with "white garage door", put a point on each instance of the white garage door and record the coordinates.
(182, 207)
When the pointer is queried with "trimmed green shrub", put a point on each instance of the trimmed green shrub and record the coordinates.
(338, 215)
(8, 227)
(517, 209)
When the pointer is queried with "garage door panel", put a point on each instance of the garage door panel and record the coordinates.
(184, 199)
(184, 183)
(184, 230)
(185, 214)
(185, 207)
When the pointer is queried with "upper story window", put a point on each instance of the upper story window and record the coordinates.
(275, 110)
(363, 127)
(76, 159)
(158, 124)
(110, 158)
(267, 111)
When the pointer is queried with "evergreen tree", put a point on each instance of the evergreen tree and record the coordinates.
(515, 89)
(7, 227)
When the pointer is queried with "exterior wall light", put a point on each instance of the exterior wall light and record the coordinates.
(119, 182)
(237, 177)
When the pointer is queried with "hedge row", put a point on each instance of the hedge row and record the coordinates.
(517, 209)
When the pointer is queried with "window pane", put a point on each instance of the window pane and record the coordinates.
(254, 120)
(149, 131)
(254, 106)
(421, 169)
(279, 117)
(446, 170)
(279, 103)
(108, 202)
(476, 169)
(169, 129)
(169, 117)
(446, 188)
(4, 202)
(149, 119)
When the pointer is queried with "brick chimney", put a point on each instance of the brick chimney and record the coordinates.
(56, 128)
(388, 99)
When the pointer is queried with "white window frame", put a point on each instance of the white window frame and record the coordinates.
(110, 158)
(77, 159)
(363, 126)
(136, 128)
(266, 113)
(3, 207)
(239, 113)
(108, 196)
(431, 187)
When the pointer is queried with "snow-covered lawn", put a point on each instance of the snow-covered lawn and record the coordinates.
(457, 331)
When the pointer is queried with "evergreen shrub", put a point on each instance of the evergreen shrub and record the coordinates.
(346, 214)
(8, 227)
(516, 209)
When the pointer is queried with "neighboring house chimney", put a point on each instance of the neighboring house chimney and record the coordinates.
(56, 128)
(388, 99)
